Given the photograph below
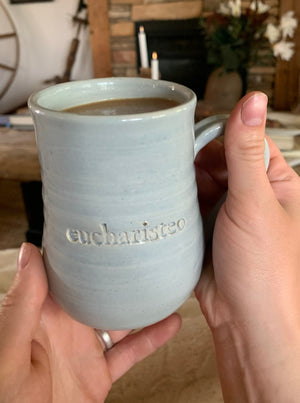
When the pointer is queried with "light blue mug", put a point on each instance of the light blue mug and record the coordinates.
(123, 237)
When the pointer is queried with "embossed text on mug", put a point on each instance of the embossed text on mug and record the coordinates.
(105, 237)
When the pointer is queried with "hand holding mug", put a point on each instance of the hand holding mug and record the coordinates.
(249, 291)
(251, 299)
(46, 356)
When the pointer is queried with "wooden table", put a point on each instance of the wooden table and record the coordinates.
(18, 156)
(19, 162)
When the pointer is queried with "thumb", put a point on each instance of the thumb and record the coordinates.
(21, 308)
(244, 147)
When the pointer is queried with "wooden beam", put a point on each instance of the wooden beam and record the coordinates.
(286, 91)
(167, 11)
(100, 37)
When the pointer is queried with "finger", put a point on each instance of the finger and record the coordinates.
(211, 159)
(21, 308)
(284, 180)
(211, 175)
(117, 335)
(138, 346)
(205, 288)
(244, 148)
(114, 336)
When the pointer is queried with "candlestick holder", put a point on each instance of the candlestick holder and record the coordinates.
(145, 72)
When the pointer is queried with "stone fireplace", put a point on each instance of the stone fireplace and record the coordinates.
(126, 15)
(181, 50)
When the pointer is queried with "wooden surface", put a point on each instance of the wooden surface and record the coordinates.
(167, 11)
(286, 92)
(18, 156)
(100, 37)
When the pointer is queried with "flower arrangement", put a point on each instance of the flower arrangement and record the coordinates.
(235, 37)
(278, 36)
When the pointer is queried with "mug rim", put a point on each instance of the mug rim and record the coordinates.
(174, 88)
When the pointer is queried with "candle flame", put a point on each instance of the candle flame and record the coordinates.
(154, 55)
(142, 28)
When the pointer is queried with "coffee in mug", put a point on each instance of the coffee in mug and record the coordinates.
(126, 106)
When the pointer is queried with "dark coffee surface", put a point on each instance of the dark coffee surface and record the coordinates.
(126, 106)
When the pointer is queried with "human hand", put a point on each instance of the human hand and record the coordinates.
(46, 356)
(250, 293)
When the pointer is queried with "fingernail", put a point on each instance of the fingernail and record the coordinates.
(254, 110)
(24, 255)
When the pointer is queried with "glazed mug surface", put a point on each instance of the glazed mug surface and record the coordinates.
(123, 236)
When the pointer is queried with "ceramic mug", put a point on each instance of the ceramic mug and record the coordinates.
(123, 236)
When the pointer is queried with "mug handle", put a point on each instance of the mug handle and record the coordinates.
(205, 131)
(214, 126)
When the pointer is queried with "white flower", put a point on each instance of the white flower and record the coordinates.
(232, 7)
(224, 9)
(259, 6)
(235, 7)
(272, 33)
(284, 49)
(288, 24)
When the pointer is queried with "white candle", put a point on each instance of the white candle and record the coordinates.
(154, 67)
(143, 48)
